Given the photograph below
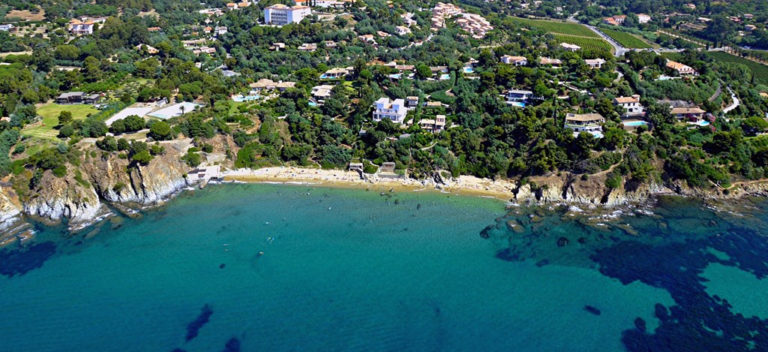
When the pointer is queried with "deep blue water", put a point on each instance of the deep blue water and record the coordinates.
(294, 268)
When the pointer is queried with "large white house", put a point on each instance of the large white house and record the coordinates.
(590, 123)
(389, 109)
(630, 105)
(280, 14)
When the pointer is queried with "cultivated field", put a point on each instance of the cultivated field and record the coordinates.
(50, 114)
(585, 43)
(758, 70)
(557, 27)
(626, 39)
(572, 33)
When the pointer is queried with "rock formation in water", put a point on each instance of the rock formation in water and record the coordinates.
(81, 195)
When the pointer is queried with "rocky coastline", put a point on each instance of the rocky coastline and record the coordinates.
(102, 186)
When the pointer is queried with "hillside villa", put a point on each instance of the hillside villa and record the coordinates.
(590, 123)
(434, 126)
(682, 69)
(393, 110)
(630, 106)
(514, 60)
(570, 47)
(595, 63)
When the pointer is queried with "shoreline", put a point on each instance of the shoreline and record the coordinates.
(463, 185)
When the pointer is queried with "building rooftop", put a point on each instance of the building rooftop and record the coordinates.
(594, 117)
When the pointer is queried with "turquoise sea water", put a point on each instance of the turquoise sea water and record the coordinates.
(296, 268)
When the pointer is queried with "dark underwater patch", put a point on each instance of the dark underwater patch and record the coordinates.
(23, 260)
(698, 321)
(194, 327)
(592, 310)
(233, 345)
(671, 257)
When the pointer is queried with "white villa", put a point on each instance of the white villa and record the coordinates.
(630, 105)
(595, 63)
(590, 123)
(394, 110)
(434, 126)
(514, 60)
(280, 14)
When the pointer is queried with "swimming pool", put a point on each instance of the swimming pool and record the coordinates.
(445, 76)
(518, 104)
(635, 123)
(242, 98)
(702, 123)
(469, 70)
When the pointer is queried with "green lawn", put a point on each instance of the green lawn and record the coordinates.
(558, 27)
(626, 39)
(758, 70)
(50, 114)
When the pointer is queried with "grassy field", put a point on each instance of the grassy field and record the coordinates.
(626, 39)
(759, 71)
(585, 43)
(557, 27)
(50, 114)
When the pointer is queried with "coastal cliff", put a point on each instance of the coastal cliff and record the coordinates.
(84, 193)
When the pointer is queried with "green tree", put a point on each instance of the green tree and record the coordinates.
(65, 117)
(160, 131)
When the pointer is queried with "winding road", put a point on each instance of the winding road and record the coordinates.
(733, 105)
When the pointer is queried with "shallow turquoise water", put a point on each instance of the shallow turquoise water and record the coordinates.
(345, 270)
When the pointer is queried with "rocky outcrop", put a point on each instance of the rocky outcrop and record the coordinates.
(115, 182)
(10, 209)
(64, 197)
(79, 196)
(569, 188)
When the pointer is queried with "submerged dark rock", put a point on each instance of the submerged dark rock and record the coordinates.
(592, 310)
(640, 324)
(23, 260)
(233, 345)
(194, 327)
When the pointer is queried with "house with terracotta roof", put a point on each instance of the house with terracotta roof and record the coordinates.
(643, 18)
(692, 114)
(615, 20)
(550, 61)
(81, 27)
(630, 106)
(514, 60)
(268, 84)
(682, 69)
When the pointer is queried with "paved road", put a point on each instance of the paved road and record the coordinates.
(618, 49)
(735, 103)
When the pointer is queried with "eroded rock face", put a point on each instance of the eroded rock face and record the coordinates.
(10, 209)
(115, 182)
(106, 179)
(64, 197)
(158, 180)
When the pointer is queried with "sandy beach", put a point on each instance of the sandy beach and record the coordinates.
(468, 185)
